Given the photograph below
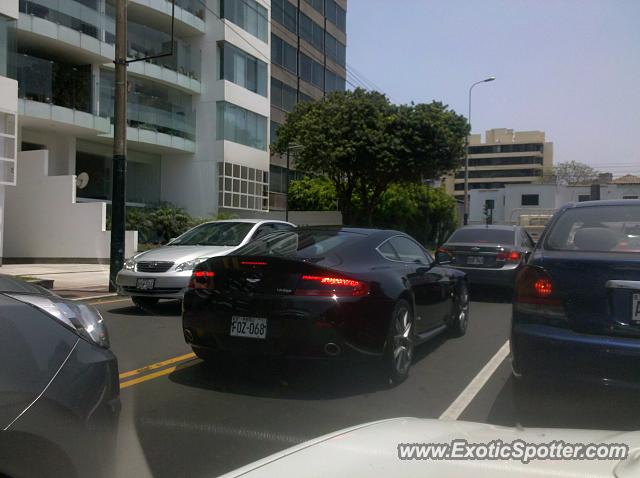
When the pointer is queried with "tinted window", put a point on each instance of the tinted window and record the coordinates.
(388, 252)
(408, 251)
(480, 235)
(530, 199)
(304, 244)
(597, 229)
(215, 234)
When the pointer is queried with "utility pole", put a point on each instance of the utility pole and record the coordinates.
(119, 147)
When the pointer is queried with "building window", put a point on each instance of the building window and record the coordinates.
(584, 197)
(629, 197)
(278, 176)
(242, 69)
(507, 148)
(333, 82)
(242, 187)
(282, 96)
(8, 148)
(241, 126)
(311, 32)
(318, 5)
(530, 200)
(501, 173)
(335, 50)
(273, 131)
(283, 54)
(285, 13)
(248, 15)
(7, 44)
(311, 71)
(505, 161)
(336, 15)
(489, 204)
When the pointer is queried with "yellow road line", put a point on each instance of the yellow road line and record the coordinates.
(154, 366)
(159, 373)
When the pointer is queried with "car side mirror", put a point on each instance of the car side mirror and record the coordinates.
(443, 258)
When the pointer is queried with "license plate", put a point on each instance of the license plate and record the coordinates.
(635, 310)
(145, 284)
(252, 327)
(475, 260)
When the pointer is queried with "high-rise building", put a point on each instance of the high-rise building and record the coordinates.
(506, 157)
(8, 105)
(308, 60)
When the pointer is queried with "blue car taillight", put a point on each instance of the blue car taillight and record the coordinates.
(536, 295)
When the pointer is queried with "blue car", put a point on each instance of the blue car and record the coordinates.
(576, 309)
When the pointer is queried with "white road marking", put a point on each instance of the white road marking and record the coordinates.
(468, 394)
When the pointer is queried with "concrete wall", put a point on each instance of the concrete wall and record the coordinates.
(44, 222)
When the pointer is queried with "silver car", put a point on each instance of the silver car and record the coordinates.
(164, 273)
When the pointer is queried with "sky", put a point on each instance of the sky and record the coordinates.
(570, 68)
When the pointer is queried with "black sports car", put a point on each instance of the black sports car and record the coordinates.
(324, 292)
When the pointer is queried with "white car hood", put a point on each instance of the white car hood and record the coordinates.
(179, 254)
(370, 451)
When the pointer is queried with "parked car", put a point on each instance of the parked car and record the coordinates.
(324, 292)
(489, 255)
(576, 311)
(373, 450)
(59, 388)
(164, 273)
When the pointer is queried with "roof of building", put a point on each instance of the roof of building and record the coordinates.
(626, 179)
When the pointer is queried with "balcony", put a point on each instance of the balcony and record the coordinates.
(53, 91)
(189, 14)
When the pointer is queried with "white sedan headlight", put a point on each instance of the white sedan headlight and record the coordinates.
(189, 265)
(129, 265)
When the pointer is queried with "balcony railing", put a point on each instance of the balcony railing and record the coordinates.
(46, 81)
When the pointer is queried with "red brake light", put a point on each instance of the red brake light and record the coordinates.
(202, 280)
(509, 256)
(331, 285)
(535, 286)
(253, 263)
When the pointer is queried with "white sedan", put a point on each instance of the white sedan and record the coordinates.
(164, 273)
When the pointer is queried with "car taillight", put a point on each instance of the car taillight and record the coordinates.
(202, 280)
(509, 256)
(329, 286)
(535, 286)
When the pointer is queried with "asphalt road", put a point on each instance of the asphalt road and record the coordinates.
(181, 419)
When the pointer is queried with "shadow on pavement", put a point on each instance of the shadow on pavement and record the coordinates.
(549, 405)
(165, 308)
(294, 379)
(490, 294)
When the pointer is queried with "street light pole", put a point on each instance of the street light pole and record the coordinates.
(466, 154)
(119, 147)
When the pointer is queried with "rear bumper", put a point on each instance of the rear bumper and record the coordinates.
(503, 277)
(168, 285)
(357, 327)
(545, 352)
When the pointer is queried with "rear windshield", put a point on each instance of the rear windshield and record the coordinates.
(301, 244)
(597, 229)
(483, 236)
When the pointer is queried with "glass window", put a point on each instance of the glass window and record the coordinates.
(597, 229)
(282, 96)
(308, 244)
(483, 235)
(318, 5)
(285, 13)
(335, 50)
(333, 82)
(214, 234)
(7, 44)
(243, 69)
(584, 197)
(311, 71)
(336, 15)
(311, 32)
(388, 252)
(273, 134)
(408, 250)
(530, 199)
(248, 15)
(241, 126)
(283, 54)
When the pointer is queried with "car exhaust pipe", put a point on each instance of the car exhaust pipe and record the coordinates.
(188, 335)
(332, 350)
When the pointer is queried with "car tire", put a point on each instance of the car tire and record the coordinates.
(145, 303)
(460, 316)
(398, 354)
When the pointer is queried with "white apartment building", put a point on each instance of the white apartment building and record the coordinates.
(8, 105)
(513, 200)
(198, 121)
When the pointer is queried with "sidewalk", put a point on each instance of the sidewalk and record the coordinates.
(70, 280)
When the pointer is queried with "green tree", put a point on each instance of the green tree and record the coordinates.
(572, 172)
(363, 143)
(312, 194)
(428, 214)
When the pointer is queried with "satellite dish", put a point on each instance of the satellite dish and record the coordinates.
(82, 180)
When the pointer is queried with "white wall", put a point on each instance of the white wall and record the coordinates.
(43, 221)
